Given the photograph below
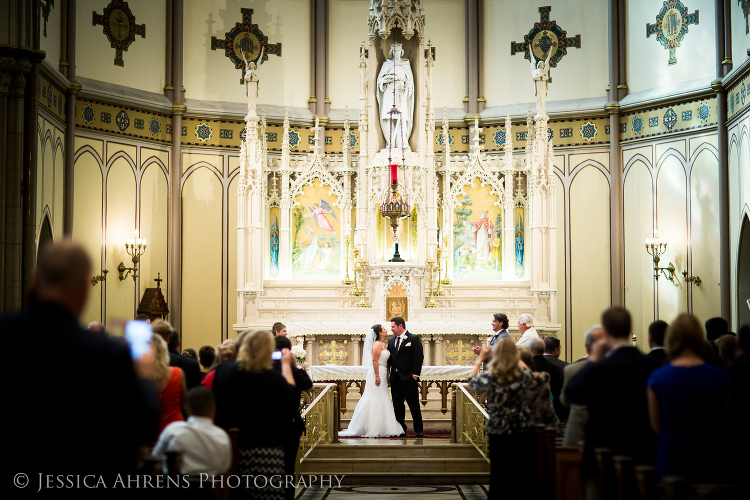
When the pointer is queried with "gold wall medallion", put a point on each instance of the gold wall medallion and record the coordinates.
(397, 306)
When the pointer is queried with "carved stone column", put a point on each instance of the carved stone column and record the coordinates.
(438, 358)
(356, 357)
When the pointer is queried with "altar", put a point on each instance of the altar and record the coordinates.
(440, 377)
(396, 224)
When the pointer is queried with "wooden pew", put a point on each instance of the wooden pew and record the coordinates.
(568, 473)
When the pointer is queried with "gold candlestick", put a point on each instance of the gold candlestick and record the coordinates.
(446, 280)
(431, 301)
(346, 280)
(439, 292)
(354, 291)
(362, 300)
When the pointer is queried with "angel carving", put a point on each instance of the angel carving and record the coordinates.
(318, 213)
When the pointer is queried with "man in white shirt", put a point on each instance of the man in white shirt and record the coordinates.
(526, 328)
(205, 447)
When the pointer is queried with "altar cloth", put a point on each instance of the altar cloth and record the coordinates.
(429, 373)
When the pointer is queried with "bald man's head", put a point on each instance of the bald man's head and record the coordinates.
(62, 275)
(537, 347)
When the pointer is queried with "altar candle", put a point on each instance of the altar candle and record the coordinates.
(394, 173)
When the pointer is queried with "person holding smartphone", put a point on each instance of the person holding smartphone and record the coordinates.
(255, 398)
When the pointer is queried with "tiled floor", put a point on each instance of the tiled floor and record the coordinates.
(427, 492)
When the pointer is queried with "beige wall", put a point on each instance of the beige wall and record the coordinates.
(561, 261)
(348, 27)
(285, 80)
(95, 58)
(739, 203)
(581, 73)
(51, 43)
(445, 26)
(740, 37)
(589, 251)
(647, 64)
(201, 259)
(49, 192)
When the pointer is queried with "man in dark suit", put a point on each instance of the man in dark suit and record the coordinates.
(614, 389)
(552, 351)
(542, 363)
(405, 365)
(656, 332)
(78, 405)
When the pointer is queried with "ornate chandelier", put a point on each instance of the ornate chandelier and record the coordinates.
(395, 206)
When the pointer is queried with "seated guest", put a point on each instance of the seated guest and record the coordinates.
(527, 331)
(172, 338)
(729, 349)
(543, 364)
(579, 414)
(614, 389)
(297, 428)
(279, 329)
(656, 331)
(715, 329)
(79, 397)
(170, 383)
(190, 354)
(205, 447)
(510, 425)
(143, 317)
(206, 357)
(253, 397)
(687, 399)
(552, 352)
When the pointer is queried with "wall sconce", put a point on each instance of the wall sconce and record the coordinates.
(101, 277)
(656, 247)
(692, 279)
(135, 247)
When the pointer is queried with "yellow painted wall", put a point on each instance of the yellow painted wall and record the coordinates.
(120, 220)
(344, 38)
(87, 224)
(445, 26)
(95, 58)
(638, 225)
(739, 202)
(153, 227)
(704, 214)
(589, 252)
(671, 221)
(285, 80)
(57, 210)
(648, 61)
(561, 261)
(49, 189)
(201, 259)
(581, 73)
(740, 37)
(232, 256)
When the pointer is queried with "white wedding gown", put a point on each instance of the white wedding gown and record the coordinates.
(374, 416)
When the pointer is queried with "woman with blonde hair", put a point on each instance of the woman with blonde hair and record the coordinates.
(510, 425)
(253, 397)
(687, 399)
(279, 329)
(170, 383)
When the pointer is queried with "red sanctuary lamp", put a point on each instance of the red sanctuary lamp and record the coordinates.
(395, 207)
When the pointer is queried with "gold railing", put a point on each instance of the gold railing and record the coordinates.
(469, 417)
(319, 409)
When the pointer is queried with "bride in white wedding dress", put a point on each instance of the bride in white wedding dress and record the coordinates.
(374, 416)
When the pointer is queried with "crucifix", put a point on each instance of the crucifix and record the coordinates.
(671, 26)
(158, 280)
(119, 25)
(246, 41)
(545, 37)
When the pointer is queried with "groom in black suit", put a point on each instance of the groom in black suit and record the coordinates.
(405, 365)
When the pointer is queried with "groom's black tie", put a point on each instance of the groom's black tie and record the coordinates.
(398, 343)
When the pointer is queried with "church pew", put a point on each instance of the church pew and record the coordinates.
(625, 476)
(606, 484)
(645, 476)
(568, 473)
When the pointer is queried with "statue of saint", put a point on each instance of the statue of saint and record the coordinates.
(540, 75)
(395, 89)
(251, 85)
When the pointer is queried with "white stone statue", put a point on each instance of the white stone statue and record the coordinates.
(396, 88)
(252, 81)
(540, 75)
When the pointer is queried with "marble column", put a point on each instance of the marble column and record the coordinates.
(617, 260)
(723, 52)
(175, 172)
(70, 119)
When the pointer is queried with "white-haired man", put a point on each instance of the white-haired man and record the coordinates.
(527, 330)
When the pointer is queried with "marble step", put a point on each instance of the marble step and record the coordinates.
(427, 423)
(351, 450)
(392, 465)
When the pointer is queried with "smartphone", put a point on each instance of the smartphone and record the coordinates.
(276, 355)
(138, 334)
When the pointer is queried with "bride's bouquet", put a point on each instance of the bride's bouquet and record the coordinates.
(299, 352)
